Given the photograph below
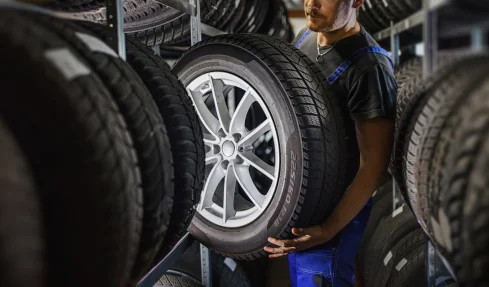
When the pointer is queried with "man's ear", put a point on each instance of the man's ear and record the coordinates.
(357, 3)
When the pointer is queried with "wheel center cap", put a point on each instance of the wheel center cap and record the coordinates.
(228, 148)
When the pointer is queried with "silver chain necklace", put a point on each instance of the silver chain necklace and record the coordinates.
(319, 58)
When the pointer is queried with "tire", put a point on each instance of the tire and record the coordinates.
(153, 23)
(410, 270)
(310, 132)
(185, 134)
(146, 127)
(412, 94)
(391, 230)
(463, 232)
(21, 236)
(77, 5)
(424, 131)
(177, 281)
(92, 231)
(225, 272)
(407, 245)
(382, 207)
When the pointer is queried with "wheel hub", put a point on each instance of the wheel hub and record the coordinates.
(228, 148)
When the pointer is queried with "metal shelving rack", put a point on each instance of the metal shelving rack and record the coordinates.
(429, 17)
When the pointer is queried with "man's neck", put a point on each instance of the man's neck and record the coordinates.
(330, 38)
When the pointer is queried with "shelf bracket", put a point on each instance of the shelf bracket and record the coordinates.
(159, 270)
(205, 266)
(395, 46)
(430, 38)
(115, 24)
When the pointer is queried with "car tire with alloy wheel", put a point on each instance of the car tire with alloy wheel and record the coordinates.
(276, 149)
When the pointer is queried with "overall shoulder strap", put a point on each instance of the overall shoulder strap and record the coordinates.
(353, 57)
(304, 36)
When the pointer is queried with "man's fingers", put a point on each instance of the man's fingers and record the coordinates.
(302, 239)
(298, 231)
(276, 241)
(279, 249)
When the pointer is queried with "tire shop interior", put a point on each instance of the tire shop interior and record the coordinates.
(162, 142)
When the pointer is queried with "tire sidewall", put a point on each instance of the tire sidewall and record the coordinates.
(273, 221)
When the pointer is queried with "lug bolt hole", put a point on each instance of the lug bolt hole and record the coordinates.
(225, 164)
(221, 133)
(236, 137)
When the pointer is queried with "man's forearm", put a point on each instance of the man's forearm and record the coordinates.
(355, 198)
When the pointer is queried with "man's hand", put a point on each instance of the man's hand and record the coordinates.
(308, 237)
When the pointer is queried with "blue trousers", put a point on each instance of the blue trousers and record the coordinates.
(331, 264)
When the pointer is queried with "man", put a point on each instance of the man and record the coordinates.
(361, 73)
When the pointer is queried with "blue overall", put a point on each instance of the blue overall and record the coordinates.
(333, 264)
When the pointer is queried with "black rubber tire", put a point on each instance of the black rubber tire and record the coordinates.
(75, 140)
(411, 96)
(177, 281)
(153, 23)
(423, 132)
(222, 274)
(311, 131)
(185, 134)
(465, 203)
(407, 245)
(381, 208)
(388, 233)
(76, 5)
(476, 5)
(408, 77)
(412, 272)
(21, 237)
(146, 127)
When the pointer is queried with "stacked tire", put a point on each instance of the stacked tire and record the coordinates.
(97, 137)
(153, 23)
(394, 254)
(376, 15)
(440, 157)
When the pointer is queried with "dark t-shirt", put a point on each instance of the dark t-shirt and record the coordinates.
(364, 87)
(367, 86)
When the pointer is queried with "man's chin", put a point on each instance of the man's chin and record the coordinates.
(314, 26)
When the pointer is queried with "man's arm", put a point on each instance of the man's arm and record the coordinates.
(375, 140)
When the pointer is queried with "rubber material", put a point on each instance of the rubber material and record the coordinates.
(389, 232)
(148, 132)
(388, 261)
(185, 134)
(424, 130)
(465, 203)
(412, 273)
(21, 235)
(176, 281)
(80, 152)
(310, 126)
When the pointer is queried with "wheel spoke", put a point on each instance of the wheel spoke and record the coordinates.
(255, 134)
(220, 102)
(259, 164)
(229, 190)
(246, 182)
(239, 116)
(206, 117)
(213, 180)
